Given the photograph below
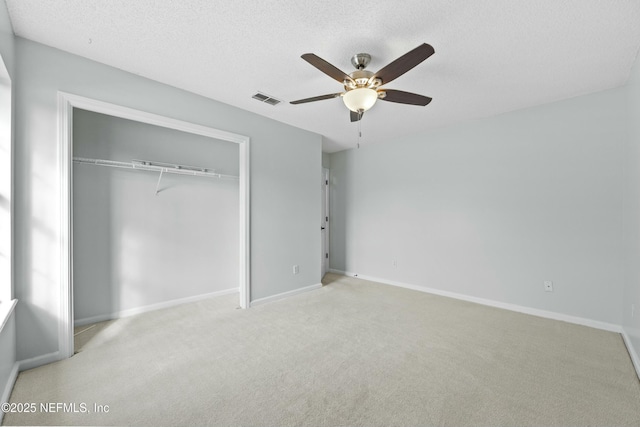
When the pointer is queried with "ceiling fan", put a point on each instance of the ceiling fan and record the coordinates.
(363, 88)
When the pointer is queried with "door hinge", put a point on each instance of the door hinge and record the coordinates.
(326, 219)
(326, 182)
(326, 255)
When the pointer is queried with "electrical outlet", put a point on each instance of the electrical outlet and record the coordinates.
(296, 269)
(548, 286)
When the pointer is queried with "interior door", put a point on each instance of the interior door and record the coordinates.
(324, 222)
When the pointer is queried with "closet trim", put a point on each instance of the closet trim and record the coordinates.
(66, 103)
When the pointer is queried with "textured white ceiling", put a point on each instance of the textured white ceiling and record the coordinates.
(491, 56)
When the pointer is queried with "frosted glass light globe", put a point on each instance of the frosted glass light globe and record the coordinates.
(360, 99)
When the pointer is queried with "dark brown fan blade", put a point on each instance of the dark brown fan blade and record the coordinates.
(325, 67)
(402, 97)
(316, 98)
(404, 63)
(356, 116)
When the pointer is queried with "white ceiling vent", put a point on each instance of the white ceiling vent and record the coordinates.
(266, 98)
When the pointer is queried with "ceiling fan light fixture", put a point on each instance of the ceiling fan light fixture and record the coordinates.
(360, 99)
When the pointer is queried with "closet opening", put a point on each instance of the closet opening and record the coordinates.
(157, 214)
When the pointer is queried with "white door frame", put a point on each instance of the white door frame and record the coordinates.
(324, 221)
(66, 103)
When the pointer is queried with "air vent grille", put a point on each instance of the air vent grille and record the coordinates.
(272, 101)
(266, 98)
(260, 97)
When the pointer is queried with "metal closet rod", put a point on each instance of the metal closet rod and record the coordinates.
(155, 167)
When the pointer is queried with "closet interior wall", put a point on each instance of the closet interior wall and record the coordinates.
(133, 248)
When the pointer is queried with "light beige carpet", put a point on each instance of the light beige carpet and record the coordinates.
(352, 353)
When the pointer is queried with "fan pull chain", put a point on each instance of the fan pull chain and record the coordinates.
(359, 127)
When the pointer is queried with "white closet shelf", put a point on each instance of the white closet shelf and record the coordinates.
(147, 165)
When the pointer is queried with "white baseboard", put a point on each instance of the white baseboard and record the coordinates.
(34, 362)
(635, 357)
(8, 387)
(152, 307)
(507, 306)
(285, 294)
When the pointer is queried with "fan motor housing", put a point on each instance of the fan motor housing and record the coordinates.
(361, 78)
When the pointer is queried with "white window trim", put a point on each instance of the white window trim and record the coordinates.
(7, 304)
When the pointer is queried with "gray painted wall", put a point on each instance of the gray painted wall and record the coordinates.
(134, 249)
(285, 166)
(631, 323)
(326, 160)
(7, 333)
(492, 208)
